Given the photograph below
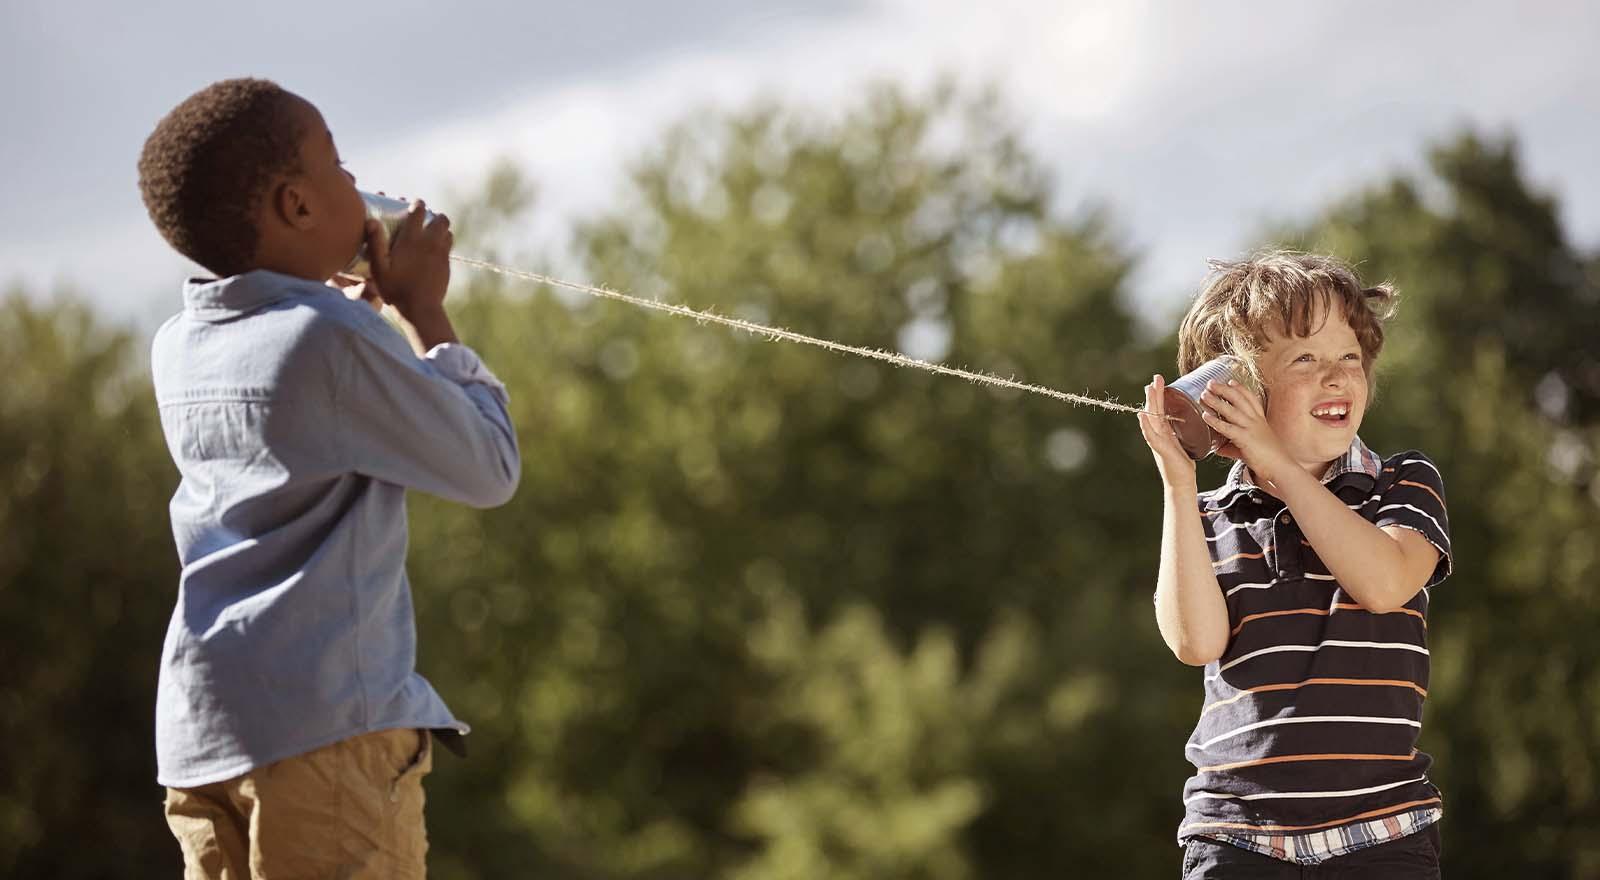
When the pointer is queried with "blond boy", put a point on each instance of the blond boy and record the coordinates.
(1301, 584)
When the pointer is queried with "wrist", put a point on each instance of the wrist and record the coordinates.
(421, 314)
(1271, 468)
(427, 327)
(1180, 489)
(1289, 484)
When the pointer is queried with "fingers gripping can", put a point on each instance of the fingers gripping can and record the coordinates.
(391, 213)
(1182, 400)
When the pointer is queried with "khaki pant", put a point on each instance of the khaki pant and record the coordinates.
(352, 810)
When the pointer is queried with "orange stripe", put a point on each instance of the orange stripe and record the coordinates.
(1388, 470)
(1283, 759)
(1350, 606)
(1296, 685)
(1370, 814)
(1241, 556)
(1429, 489)
(1249, 617)
(1342, 606)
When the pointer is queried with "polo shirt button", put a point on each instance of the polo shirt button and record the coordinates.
(1285, 519)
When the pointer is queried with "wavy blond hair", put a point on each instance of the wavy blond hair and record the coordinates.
(1279, 291)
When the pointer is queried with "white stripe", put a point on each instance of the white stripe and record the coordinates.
(1236, 589)
(1315, 719)
(1272, 583)
(1360, 504)
(1332, 643)
(1266, 795)
(1238, 525)
(1275, 649)
(1421, 461)
(1409, 507)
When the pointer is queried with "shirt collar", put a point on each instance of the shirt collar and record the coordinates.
(1358, 459)
(218, 299)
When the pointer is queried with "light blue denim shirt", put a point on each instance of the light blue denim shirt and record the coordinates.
(297, 419)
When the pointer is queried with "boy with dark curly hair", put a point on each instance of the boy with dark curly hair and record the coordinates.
(292, 729)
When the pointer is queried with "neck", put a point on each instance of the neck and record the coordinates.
(1317, 468)
(296, 263)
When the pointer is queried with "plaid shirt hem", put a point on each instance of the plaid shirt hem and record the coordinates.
(1320, 846)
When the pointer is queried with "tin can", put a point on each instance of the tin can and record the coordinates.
(391, 213)
(1182, 401)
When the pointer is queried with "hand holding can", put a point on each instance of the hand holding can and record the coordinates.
(413, 267)
(390, 213)
(1172, 460)
(1181, 400)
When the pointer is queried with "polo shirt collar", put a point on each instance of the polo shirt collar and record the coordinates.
(1358, 459)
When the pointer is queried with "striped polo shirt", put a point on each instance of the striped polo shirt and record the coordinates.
(1311, 716)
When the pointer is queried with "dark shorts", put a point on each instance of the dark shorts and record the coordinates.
(1413, 857)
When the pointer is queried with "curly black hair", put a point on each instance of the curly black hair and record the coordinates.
(204, 169)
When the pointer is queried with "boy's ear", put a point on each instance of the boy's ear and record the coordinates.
(291, 205)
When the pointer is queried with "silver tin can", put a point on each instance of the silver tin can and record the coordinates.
(1182, 400)
(391, 213)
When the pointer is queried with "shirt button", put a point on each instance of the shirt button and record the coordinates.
(1285, 519)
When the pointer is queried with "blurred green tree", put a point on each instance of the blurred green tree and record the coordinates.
(682, 482)
(87, 575)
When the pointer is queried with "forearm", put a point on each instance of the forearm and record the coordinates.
(1368, 563)
(1190, 609)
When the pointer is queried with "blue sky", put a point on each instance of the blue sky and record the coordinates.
(1195, 123)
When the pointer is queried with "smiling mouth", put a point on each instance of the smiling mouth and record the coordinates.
(1335, 414)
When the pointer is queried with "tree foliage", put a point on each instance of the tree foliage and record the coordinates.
(87, 576)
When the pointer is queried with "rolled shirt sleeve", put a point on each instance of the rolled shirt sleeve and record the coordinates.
(1414, 499)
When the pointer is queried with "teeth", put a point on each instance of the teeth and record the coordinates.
(1336, 410)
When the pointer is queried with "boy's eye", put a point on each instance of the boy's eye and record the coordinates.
(1352, 357)
(1306, 358)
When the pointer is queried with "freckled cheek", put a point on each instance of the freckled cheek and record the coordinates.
(1285, 408)
(1358, 389)
(1289, 399)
